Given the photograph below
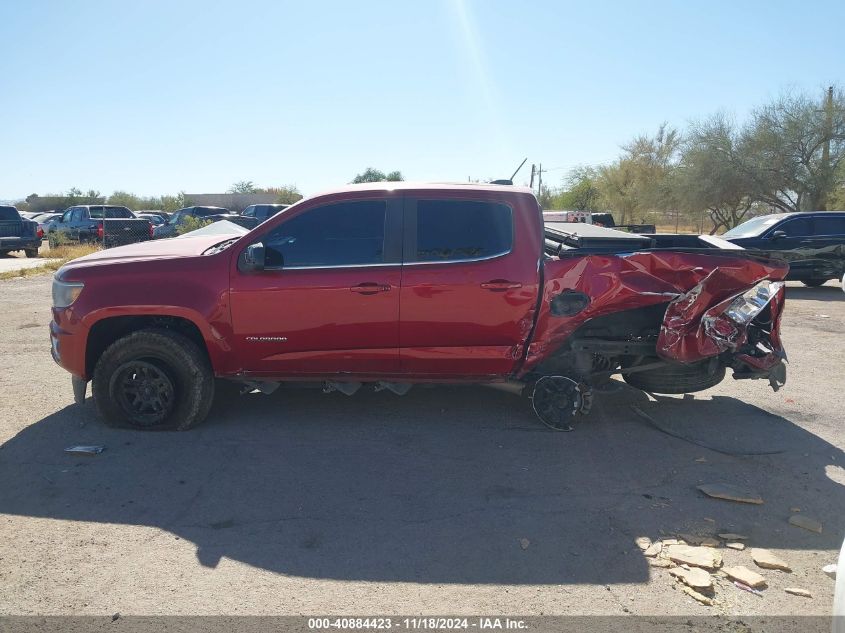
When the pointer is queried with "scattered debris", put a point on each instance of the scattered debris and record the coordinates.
(797, 591)
(85, 450)
(765, 559)
(704, 541)
(115, 617)
(745, 576)
(705, 557)
(736, 545)
(653, 550)
(643, 542)
(671, 541)
(701, 460)
(730, 536)
(803, 521)
(660, 562)
(830, 570)
(524, 543)
(744, 587)
(698, 596)
(795, 509)
(694, 577)
(730, 493)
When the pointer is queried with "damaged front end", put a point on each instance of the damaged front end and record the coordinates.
(743, 331)
(667, 321)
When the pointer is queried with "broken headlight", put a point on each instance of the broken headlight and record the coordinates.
(745, 308)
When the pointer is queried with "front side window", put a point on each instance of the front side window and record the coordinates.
(68, 215)
(456, 230)
(249, 212)
(345, 234)
(799, 227)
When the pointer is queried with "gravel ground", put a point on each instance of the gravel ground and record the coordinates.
(447, 500)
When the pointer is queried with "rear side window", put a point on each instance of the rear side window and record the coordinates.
(345, 234)
(830, 226)
(8, 214)
(459, 230)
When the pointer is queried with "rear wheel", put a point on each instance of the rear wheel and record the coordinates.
(31, 252)
(814, 283)
(153, 380)
(677, 377)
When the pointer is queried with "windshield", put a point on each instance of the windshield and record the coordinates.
(753, 227)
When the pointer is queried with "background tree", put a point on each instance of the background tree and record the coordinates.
(243, 186)
(785, 146)
(712, 176)
(581, 191)
(375, 175)
(287, 194)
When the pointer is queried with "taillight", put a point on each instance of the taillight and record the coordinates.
(100, 231)
(40, 233)
(151, 229)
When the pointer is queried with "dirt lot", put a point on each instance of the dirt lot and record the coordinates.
(448, 500)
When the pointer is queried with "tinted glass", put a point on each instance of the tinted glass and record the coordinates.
(797, 227)
(754, 227)
(9, 214)
(830, 226)
(454, 230)
(334, 235)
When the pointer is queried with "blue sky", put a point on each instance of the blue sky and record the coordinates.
(160, 96)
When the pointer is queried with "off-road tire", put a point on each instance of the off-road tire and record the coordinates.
(31, 253)
(181, 359)
(814, 283)
(677, 378)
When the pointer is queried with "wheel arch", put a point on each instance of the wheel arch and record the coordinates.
(108, 329)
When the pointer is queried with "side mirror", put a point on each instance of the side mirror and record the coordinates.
(779, 235)
(252, 258)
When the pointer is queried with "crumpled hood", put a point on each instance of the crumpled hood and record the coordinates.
(186, 246)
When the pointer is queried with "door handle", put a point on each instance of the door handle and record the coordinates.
(501, 284)
(370, 288)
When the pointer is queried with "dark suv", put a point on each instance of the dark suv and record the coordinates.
(263, 211)
(812, 242)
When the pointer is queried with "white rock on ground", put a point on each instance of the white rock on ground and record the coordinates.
(705, 557)
(745, 576)
(767, 560)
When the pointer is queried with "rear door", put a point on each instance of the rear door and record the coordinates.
(469, 283)
(327, 302)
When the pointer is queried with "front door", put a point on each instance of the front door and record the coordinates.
(327, 302)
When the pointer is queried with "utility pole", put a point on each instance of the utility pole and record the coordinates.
(533, 171)
(540, 180)
(828, 132)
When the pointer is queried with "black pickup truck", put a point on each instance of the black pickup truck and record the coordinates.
(17, 233)
(107, 224)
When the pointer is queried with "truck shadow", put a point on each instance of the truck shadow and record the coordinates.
(444, 485)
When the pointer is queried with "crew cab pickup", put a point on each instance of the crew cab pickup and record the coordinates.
(109, 225)
(18, 233)
(386, 285)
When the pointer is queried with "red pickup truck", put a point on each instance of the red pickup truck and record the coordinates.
(389, 284)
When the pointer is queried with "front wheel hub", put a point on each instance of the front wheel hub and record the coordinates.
(556, 401)
(144, 391)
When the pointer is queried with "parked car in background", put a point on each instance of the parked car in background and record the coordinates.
(45, 221)
(154, 218)
(263, 211)
(18, 233)
(395, 284)
(108, 224)
(812, 242)
(210, 214)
